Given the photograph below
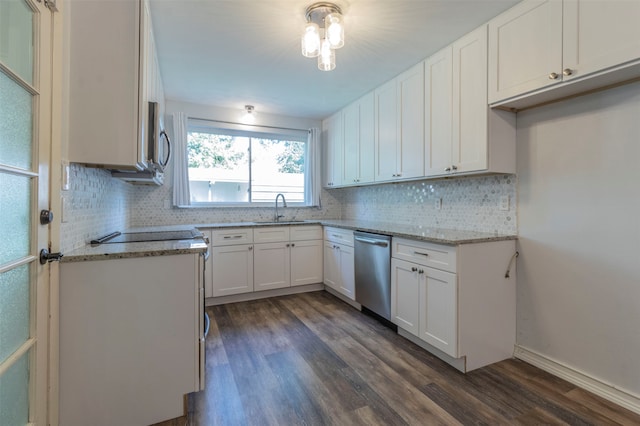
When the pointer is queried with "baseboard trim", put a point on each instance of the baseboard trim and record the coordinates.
(605, 390)
(342, 297)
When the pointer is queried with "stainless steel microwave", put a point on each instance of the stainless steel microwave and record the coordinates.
(159, 145)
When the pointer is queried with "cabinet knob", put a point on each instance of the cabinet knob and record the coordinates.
(553, 76)
(293, 245)
(448, 169)
(250, 247)
(414, 269)
(288, 245)
(567, 71)
(454, 167)
(421, 271)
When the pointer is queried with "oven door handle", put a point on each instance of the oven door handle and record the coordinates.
(207, 321)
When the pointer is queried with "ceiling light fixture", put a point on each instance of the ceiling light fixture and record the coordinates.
(323, 33)
(249, 115)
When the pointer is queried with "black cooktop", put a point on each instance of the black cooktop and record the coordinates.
(138, 237)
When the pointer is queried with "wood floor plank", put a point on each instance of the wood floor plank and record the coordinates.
(311, 359)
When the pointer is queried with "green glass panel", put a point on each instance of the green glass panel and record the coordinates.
(14, 392)
(15, 216)
(15, 124)
(16, 37)
(14, 310)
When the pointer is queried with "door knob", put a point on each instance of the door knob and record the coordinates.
(46, 257)
(46, 217)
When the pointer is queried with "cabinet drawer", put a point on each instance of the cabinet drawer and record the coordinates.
(302, 233)
(226, 237)
(338, 235)
(428, 254)
(270, 234)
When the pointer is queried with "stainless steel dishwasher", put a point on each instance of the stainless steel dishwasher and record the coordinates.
(372, 255)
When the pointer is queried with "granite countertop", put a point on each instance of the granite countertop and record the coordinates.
(143, 249)
(415, 232)
(165, 248)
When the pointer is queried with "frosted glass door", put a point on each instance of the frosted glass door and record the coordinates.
(22, 109)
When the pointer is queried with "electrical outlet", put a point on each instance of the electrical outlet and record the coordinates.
(438, 203)
(504, 203)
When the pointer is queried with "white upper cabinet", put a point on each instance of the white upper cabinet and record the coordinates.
(359, 143)
(599, 34)
(109, 53)
(399, 117)
(386, 131)
(526, 48)
(462, 134)
(538, 47)
(333, 140)
(438, 112)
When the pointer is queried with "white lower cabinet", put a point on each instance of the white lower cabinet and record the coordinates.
(455, 300)
(246, 260)
(339, 271)
(232, 269)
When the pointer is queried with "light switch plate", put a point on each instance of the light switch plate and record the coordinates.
(438, 203)
(65, 176)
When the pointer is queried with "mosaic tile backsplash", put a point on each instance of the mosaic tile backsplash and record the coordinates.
(98, 204)
(149, 208)
(468, 203)
(94, 205)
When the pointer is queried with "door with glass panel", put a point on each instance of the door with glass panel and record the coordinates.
(25, 145)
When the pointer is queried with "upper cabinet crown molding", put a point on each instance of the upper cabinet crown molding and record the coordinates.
(541, 51)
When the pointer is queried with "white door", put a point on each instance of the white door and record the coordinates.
(331, 265)
(439, 309)
(25, 145)
(306, 262)
(386, 131)
(405, 295)
(271, 266)
(410, 149)
(351, 144)
(232, 269)
(438, 112)
(347, 272)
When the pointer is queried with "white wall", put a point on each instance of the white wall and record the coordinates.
(579, 234)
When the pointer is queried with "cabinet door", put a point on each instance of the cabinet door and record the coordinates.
(599, 34)
(331, 268)
(386, 131)
(271, 266)
(405, 296)
(367, 139)
(410, 148)
(438, 113)
(525, 47)
(470, 117)
(439, 310)
(306, 262)
(333, 150)
(232, 269)
(351, 144)
(347, 272)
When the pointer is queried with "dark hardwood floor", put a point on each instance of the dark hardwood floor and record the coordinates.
(310, 359)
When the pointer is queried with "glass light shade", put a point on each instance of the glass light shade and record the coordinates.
(311, 40)
(327, 58)
(335, 30)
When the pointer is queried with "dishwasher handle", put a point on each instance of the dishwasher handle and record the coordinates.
(372, 241)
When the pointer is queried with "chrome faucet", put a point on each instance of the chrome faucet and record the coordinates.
(284, 204)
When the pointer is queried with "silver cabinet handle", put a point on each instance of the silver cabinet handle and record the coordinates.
(567, 71)
(422, 254)
(553, 76)
(232, 237)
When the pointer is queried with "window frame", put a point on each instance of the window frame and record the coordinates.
(250, 132)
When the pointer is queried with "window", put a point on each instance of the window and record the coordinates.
(240, 167)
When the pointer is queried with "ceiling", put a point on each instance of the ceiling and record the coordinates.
(229, 53)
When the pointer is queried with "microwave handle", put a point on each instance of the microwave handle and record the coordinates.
(163, 135)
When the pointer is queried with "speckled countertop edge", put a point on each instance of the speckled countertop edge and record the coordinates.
(420, 233)
(167, 248)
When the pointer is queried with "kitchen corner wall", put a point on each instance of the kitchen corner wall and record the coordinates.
(94, 205)
(469, 203)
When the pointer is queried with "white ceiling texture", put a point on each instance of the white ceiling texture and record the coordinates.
(230, 53)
